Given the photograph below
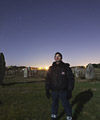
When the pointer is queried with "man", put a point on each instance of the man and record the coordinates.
(60, 80)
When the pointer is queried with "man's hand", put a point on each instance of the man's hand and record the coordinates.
(69, 94)
(48, 94)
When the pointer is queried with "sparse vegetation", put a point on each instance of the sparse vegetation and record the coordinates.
(24, 99)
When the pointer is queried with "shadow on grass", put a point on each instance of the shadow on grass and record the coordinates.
(81, 99)
(0, 102)
(61, 115)
(13, 83)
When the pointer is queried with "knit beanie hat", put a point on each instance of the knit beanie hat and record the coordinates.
(59, 54)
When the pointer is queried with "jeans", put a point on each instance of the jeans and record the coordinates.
(55, 102)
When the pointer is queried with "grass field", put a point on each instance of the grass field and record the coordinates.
(24, 99)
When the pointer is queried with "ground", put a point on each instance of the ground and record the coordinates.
(24, 99)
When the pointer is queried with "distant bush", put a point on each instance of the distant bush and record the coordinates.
(96, 65)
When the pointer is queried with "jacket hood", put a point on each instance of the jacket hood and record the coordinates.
(67, 64)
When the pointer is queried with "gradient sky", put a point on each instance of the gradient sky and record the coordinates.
(31, 31)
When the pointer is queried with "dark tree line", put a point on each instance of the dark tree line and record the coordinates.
(96, 65)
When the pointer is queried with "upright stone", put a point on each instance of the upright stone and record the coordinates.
(29, 72)
(90, 73)
(2, 68)
(79, 71)
(25, 73)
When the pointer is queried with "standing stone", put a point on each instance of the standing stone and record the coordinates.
(29, 72)
(73, 70)
(35, 71)
(97, 73)
(32, 73)
(77, 72)
(25, 73)
(2, 68)
(90, 73)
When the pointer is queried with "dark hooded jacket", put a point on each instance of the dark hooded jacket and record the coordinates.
(59, 77)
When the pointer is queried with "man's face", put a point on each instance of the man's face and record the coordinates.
(57, 58)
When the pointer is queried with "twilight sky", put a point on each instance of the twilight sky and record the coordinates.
(31, 31)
